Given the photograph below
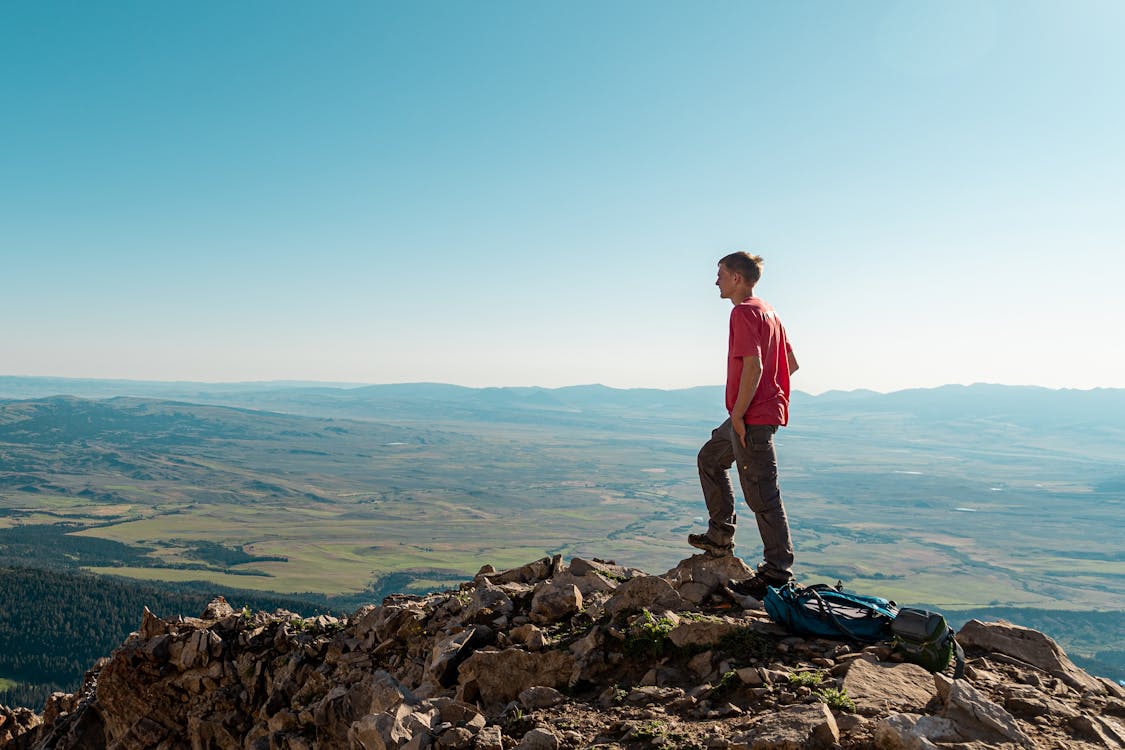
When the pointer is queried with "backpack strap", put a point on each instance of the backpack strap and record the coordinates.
(826, 608)
(958, 656)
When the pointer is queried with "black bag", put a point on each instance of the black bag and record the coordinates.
(925, 638)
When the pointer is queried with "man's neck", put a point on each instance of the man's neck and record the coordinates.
(741, 295)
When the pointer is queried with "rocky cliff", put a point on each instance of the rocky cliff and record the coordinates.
(556, 656)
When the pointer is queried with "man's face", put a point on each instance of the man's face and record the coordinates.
(726, 282)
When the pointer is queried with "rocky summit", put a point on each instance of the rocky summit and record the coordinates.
(554, 656)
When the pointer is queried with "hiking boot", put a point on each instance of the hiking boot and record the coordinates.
(757, 584)
(703, 542)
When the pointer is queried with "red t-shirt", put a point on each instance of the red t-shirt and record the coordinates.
(756, 331)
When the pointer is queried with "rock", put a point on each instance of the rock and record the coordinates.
(1112, 688)
(448, 653)
(540, 697)
(977, 717)
(199, 647)
(217, 609)
(607, 570)
(914, 732)
(383, 731)
(699, 576)
(554, 601)
(750, 676)
(486, 596)
(498, 677)
(529, 635)
(702, 632)
(806, 727)
(882, 686)
(376, 693)
(457, 738)
(490, 738)
(1099, 729)
(533, 572)
(151, 625)
(644, 592)
(539, 739)
(1030, 647)
(1029, 702)
(701, 664)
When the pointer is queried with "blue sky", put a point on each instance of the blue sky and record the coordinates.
(513, 193)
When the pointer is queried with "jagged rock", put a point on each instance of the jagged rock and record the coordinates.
(1028, 702)
(533, 572)
(591, 583)
(699, 576)
(383, 731)
(554, 601)
(540, 697)
(448, 654)
(1100, 729)
(977, 717)
(198, 649)
(915, 732)
(1028, 646)
(879, 686)
(487, 596)
(151, 625)
(611, 571)
(1117, 691)
(539, 739)
(217, 609)
(807, 727)
(644, 592)
(497, 677)
(15, 722)
(388, 676)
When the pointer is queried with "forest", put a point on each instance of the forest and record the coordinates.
(55, 624)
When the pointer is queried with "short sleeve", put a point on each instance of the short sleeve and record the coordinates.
(745, 339)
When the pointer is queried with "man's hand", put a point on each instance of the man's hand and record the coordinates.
(739, 428)
(751, 376)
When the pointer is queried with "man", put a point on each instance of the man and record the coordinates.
(759, 362)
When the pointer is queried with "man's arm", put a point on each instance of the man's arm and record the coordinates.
(747, 385)
(793, 366)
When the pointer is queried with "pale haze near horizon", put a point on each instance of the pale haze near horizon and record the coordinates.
(536, 194)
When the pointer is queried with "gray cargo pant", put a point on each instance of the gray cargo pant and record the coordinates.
(757, 473)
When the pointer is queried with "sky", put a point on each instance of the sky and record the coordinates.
(537, 193)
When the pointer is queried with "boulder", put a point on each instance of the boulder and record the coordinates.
(217, 609)
(448, 653)
(804, 727)
(880, 686)
(1030, 647)
(914, 732)
(644, 592)
(533, 572)
(539, 739)
(554, 601)
(699, 576)
(486, 596)
(702, 632)
(498, 677)
(979, 718)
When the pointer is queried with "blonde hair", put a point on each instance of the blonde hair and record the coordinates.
(748, 266)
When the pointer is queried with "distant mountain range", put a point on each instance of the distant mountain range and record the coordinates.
(1024, 405)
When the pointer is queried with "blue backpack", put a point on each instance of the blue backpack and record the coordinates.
(825, 612)
(821, 611)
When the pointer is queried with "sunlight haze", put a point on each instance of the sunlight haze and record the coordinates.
(506, 193)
